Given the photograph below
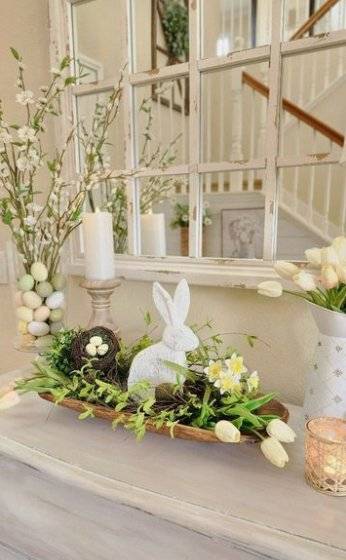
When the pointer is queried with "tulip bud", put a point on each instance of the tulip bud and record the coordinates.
(313, 256)
(281, 431)
(341, 272)
(225, 431)
(274, 452)
(270, 288)
(329, 256)
(286, 269)
(339, 245)
(305, 281)
(9, 399)
(329, 277)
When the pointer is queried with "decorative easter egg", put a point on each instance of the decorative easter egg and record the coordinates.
(90, 349)
(26, 283)
(102, 349)
(22, 327)
(25, 314)
(56, 327)
(44, 341)
(41, 313)
(38, 328)
(96, 340)
(32, 300)
(56, 315)
(55, 300)
(18, 299)
(58, 281)
(39, 271)
(44, 289)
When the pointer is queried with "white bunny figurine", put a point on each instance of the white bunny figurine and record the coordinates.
(176, 340)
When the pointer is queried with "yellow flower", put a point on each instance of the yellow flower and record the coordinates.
(213, 371)
(236, 364)
(228, 382)
(253, 382)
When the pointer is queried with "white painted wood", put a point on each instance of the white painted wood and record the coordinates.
(96, 488)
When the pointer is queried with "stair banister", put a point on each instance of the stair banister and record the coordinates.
(313, 19)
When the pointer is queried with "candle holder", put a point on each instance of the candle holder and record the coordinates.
(100, 292)
(325, 455)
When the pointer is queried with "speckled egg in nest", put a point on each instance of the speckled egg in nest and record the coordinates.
(105, 363)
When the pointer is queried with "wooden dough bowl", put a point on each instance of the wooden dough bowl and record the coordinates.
(180, 431)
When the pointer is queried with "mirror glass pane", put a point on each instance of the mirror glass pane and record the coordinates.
(234, 25)
(97, 32)
(162, 124)
(233, 220)
(88, 109)
(164, 215)
(313, 93)
(297, 13)
(234, 113)
(161, 35)
(312, 208)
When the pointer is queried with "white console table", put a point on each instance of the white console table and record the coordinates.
(72, 490)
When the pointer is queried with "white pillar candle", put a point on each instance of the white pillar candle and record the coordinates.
(153, 235)
(98, 245)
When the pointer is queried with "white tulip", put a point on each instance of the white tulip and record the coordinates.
(329, 256)
(270, 288)
(313, 256)
(281, 431)
(225, 431)
(329, 277)
(305, 281)
(286, 269)
(9, 399)
(274, 452)
(341, 272)
(339, 245)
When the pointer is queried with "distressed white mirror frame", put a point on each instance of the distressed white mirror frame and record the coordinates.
(208, 271)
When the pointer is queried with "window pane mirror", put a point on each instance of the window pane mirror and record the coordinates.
(230, 131)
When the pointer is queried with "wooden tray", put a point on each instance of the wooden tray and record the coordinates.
(180, 431)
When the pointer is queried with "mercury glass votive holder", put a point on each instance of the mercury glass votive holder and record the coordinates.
(325, 455)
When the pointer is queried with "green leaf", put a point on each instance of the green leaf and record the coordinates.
(251, 340)
(15, 53)
(181, 371)
(89, 413)
(261, 401)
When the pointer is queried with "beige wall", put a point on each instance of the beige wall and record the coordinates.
(285, 325)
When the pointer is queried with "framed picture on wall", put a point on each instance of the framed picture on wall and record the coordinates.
(242, 232)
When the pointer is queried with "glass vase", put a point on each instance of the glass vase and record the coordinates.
(39, 295)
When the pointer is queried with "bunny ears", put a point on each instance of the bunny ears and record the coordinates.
(173, 311)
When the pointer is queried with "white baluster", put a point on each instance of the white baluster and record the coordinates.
(183, 119)
(207, 82)
(251, 178)
(221, 176)
(311, 192)
(236, 114)
(343, 210)
(328, 189)
(295, 193)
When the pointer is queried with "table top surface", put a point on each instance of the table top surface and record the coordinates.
(226, 490)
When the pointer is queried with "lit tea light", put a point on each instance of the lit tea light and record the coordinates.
(325, 455)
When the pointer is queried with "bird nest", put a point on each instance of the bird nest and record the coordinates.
(107, 363)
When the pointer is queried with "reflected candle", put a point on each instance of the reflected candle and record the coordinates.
(98, 245)
(153, 234)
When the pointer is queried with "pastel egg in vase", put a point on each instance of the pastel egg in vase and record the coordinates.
(39, 295)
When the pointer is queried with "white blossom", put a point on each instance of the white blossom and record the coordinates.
(27, 134)
(4, 170)
(30, 221)
(25, 97)
(43, 100)
(56, 72)
(5, 137)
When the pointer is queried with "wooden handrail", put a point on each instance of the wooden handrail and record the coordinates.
(313, 19)
(299, 113)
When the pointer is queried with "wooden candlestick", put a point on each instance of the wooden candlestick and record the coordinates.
(100, 292)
